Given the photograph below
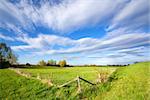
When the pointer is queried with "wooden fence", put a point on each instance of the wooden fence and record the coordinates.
(77, 80)
(50, 83)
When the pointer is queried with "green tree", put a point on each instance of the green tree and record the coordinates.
(62, 63)
(42, 63)
(6, 56)
(51, 62)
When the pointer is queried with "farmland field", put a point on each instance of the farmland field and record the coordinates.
(128, 83)
(61, 75)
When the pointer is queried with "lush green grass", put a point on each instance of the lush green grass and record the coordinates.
(128, 83)
(61, 75)
(14, 86)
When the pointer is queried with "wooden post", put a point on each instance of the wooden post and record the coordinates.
(49, 82)
(38, 76)
(98, 79)
(78, 83)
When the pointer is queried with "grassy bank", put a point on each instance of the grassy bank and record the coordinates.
(129, 83)
(13, 86)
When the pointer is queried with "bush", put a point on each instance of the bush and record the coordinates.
(42, 63)
(62, 63)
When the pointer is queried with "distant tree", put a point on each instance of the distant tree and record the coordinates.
(7, 57)
(54, 62)
(62, 63)
(42, 63)
(51, 62)
(28, 64)
(136, 62)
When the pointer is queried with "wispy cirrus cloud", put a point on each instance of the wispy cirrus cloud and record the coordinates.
(83, 45)
(133, 16)
(72, 15)
(125, 23)
(42, 41)
(6, 37)
(126, 47)
(59, 17)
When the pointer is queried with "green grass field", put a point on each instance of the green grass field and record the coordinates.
(61, 75)
(128, 83)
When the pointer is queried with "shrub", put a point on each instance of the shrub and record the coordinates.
(62, 63)
(42, 63)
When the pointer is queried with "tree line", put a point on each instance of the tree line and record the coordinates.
(52, 62)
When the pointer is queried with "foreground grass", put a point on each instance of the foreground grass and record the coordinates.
(129, 83)
(14, 86)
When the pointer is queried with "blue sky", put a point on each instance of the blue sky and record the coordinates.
(79, 31)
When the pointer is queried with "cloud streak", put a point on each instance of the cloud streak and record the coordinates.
(134, 15)
(82, 45)
(6, 37)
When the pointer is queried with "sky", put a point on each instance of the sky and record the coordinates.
(80, 31)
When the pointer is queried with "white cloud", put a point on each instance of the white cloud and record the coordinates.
(67, 45)
(79, 13)
(126, 48)
(134, 15)
(68, 15)
(48, 41)
(22, 47)
(71, 15)
(6, 37)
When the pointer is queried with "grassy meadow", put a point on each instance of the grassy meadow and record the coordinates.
(61, 75)
(124, 83)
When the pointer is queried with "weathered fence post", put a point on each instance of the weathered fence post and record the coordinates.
(78, 83)
(49, 82)
(38, 76)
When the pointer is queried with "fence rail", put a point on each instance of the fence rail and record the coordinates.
(77, 79)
